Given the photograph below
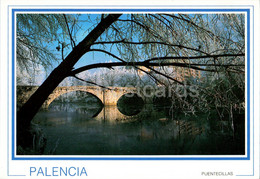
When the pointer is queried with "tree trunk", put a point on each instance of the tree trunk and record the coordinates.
(31, 107)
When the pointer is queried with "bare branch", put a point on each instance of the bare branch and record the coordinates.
(146, 64)
(69, 32)
(167, 76)
(99, 50)
(195, 57)
(192, 23)
(112, 55)
(148, 29)
(175, 58)
(151, 42)
(151, 76)
(90, 82)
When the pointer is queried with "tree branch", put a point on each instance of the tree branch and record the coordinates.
(151, 42)
(194, 57)
(175, 58)
(149, 30)
(99, 50)
(146, 64)
(167, 76)
(112, 55)
(151, 76)
(192, 23)
(90, 82)
(71, 39)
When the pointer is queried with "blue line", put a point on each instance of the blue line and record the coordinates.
(8, 93)
(253, 96)
(253, 100)
(136, 6)
(248, 83)
(130, 158)
(13, 80)
(132, 10)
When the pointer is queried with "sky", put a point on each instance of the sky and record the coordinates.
(90, 57)
(86, 25)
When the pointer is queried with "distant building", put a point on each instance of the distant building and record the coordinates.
(184, 73)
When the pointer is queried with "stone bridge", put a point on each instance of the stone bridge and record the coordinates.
(106, 96)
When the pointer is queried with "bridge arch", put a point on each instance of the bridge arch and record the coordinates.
(130, 104)
(60, 91)
(109, 96)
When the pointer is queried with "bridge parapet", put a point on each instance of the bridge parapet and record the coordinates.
(108, 96)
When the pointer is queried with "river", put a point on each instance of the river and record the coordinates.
(83, 129)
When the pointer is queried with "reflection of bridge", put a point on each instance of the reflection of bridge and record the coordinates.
(106, 96)
(112, 114)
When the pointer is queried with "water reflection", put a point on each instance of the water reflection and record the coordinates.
(130, 104)
(112, 114)
(74, 131)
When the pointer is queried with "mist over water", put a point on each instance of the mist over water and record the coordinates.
(71, 129)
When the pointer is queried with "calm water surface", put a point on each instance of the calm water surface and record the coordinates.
(83, 129)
